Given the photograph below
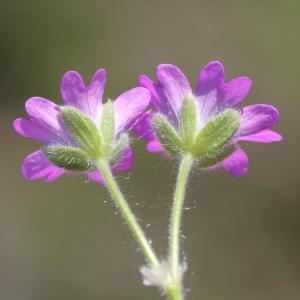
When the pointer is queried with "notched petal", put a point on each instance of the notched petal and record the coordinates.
(237, 163)
(236, 90)
(37, 166)
(257, 117)
(87, 99)
(211, 77)
(173, 85)
(129, 106)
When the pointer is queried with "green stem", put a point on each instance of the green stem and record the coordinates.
(128, 215)
(175, 293)
(175, 222)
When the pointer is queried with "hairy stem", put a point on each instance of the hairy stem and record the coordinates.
(175, 225)
(175, 293)
(128, 215)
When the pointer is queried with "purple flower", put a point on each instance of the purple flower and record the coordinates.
(212, 96)
(46, 125)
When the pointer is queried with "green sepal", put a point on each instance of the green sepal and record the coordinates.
(122, 144)
(82, 129)
(167, 135)
(188, 121)
(217, 133)
(215, 157)
(69, 158)
(107, 128)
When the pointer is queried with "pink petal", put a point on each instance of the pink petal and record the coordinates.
(129, 106)
(95, 176)
(125, 163)
(87, 99)
(158, 100)
(264, 136)
(256, 118)
(155, 146)
(31, 130)
(37, 166)
(209, 84)
(173, 85)
(237, 163)
(143, 127)
(211, 78)
(147, 83)
(235, 90)
(44, 123)
(214, 95)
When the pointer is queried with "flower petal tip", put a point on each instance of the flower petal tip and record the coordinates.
(154, 147)
(99, 77)
(258, 117)
(236, 164)
(211, 77)
(37, 166)
(213, 69)
(17, 126)
(265, 136)
(145, 81)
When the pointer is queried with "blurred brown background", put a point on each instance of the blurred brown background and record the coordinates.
(64, 240)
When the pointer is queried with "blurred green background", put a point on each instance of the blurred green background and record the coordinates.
(65, 240)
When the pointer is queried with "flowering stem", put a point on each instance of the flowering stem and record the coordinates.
(175, 293)
(175, 224)
(128, 215)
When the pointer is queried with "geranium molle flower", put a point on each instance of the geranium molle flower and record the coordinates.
(76, 134)
(206, 121)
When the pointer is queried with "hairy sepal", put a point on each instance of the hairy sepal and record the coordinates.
(69, 158)
(188, 121)
(216, 134)
(107, 129)
(167, 135)
(83, 130)
(121, 145)
(215, 157)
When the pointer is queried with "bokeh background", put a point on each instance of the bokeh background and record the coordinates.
(65, 240)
